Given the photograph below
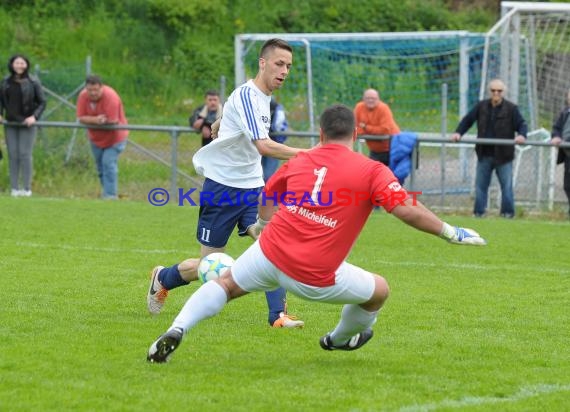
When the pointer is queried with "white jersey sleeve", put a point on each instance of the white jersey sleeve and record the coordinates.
(246, 112)
(256, 123)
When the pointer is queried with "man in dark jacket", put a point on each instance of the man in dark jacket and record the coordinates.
(561, 134)
(497, 118)
(204, 116)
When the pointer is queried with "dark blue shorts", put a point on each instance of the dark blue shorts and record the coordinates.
(221, 209)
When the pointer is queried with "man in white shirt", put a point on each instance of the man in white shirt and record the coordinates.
(231, 164)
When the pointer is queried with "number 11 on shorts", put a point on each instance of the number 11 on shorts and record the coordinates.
(205, 236)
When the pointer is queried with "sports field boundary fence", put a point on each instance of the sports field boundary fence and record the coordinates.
(440, 172)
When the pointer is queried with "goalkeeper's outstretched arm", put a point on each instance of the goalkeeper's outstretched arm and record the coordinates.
(415, 214)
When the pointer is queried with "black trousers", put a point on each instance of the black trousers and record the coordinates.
(382, 157)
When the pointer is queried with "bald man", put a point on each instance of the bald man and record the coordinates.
(374, 117)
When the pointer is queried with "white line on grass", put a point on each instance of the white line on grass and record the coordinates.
(95, 249)
(523, 393)
(540, 269)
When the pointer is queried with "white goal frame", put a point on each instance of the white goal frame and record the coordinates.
(241, 47)
(510, 50)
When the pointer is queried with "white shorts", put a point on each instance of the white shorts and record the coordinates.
(252, 271)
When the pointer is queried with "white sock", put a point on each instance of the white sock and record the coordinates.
(353, 320)
(207, 301)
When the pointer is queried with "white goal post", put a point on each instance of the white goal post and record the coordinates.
(529, 49)
(408, 69)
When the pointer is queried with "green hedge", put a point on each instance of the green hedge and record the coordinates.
(162, 54)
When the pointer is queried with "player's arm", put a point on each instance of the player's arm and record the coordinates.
(270, 148)
(254, 125)
(266, 211)
(415, 214)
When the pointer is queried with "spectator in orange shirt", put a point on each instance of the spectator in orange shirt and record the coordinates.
(374, 117)
(99, 104)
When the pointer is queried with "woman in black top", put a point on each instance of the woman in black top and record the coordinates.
(21, 101)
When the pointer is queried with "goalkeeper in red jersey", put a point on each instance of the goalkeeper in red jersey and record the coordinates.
(324, 197)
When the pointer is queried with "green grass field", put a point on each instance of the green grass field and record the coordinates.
(471, 329)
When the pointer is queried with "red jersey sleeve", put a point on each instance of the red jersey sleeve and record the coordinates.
(385, 188)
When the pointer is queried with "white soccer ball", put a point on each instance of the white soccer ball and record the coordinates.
(213, 266)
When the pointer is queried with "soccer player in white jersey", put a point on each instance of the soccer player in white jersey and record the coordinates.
(231, 165)
(331, 191)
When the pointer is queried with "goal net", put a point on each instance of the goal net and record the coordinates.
(431, 79)
(408, 70)
(529, 48)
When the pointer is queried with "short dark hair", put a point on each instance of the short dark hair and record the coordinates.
(337, 122)
(273, 44)
(212, 92)
(93, 79)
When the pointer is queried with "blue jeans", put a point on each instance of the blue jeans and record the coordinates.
(504, 172)
(567, 177)
(107, 167)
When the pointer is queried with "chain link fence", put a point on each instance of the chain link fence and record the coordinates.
(445, 175)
